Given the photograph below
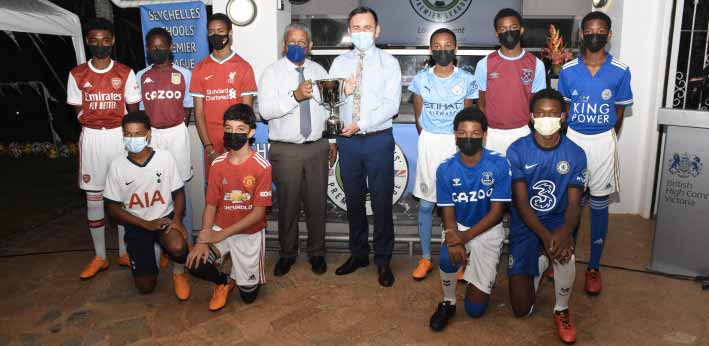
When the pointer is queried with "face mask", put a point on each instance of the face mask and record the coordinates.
(159, 56)
(218, 41)
(469, 146)
(235, 141)
(135, 144)
(363, 40)
(510, 38)
(100, 52)
(295, 53)
(595, 42)
(547, 126)
(443, 57)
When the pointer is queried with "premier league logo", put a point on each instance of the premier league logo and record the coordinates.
(440, 11)
(527, 76)
(685, 165)
(487, 179)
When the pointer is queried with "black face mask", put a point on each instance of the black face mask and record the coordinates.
(218, 41)
(595, 42)
(443, 57)
(100, 52)
(469, 146)
(235, 141)
(159, 56)
(510, 38)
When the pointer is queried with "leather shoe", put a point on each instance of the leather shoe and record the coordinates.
(283, 266)
(386, 277)
(318, 265)
(352, 264)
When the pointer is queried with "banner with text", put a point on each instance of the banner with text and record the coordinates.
(186, 22)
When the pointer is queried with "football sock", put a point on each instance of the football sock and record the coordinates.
(543, 263)
(599, 229)
(121, 240)
(564, 275)
(448, 282)
(425, 225)
(187, 219)
(97, 221)
(178, 268)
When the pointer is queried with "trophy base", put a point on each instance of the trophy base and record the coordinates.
(333, 130)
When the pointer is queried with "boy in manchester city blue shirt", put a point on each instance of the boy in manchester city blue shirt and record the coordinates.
(596, 87)
(439, 93)
(548, 178)
(472, 188)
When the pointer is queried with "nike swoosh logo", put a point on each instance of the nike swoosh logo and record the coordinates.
(210, 76)
(530, 166)
(128, 183)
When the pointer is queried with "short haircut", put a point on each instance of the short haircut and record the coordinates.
(158, 32)
(506, 12)
(443, 31)
(362, 10)
(222, 17)
(470, 114)
(241, 112)
(138, 117)
(297, 26)
(547, 94)
(596, 15)
(99, 24)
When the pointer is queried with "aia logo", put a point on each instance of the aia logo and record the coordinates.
(145, 200)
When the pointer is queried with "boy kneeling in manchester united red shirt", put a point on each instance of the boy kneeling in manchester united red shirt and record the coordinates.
(234, 219)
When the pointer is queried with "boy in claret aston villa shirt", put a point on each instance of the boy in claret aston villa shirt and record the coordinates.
(234, 219)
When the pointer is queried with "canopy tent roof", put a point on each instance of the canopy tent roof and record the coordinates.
(42, 17)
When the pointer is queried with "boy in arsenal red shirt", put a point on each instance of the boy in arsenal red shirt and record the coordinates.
(101, 90)
(234, 219)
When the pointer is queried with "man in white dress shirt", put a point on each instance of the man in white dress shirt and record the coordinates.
(298, 153)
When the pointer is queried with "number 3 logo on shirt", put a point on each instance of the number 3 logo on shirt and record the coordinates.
(544, 199)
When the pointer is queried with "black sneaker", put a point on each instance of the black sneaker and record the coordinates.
(440, 318)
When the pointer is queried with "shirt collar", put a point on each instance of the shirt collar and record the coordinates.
(224, 60)
(511, 58)
(108, 68)
(291, 65)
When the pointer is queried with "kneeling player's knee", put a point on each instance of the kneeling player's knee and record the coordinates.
(248, 293)
(178, 255)
(145, 285)
(475, 310)
(445, 262)
(521, 310)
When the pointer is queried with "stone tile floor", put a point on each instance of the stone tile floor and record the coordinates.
(42, 302)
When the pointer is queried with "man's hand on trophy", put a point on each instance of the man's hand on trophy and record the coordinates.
(332, 154)
(304, 91)
(350, 85)
(350, 129)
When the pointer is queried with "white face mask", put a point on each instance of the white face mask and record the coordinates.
(362, 40)
(547, 126)
(135, 144)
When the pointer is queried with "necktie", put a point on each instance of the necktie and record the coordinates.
(358, 89)
(304, 109)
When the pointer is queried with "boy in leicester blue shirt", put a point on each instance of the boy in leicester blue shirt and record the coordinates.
(596, 87)
(548, 178)
(472, 187)
(439, 93)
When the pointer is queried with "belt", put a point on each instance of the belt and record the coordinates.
(281, 142)
(372, 133)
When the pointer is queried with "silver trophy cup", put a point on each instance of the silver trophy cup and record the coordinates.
(332, 95)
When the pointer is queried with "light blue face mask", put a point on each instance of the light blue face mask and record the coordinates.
(363, 40)
(135, 144)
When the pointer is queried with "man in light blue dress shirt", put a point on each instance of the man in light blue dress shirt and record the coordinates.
(366, 143)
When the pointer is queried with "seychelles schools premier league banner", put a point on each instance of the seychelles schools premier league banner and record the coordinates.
(186, 22)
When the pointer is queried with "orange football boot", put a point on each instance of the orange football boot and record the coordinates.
(422, 269)
(220, 295)
(182, 286)
(123, 261)
(96, 265)
(593, 282)
(565, 326)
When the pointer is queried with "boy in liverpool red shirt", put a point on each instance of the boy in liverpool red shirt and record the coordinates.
(234, 219)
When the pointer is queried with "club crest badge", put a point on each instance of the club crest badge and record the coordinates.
(527, 76)
(487, 179)
(116, 83)
(606, 94)
(562, 167)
